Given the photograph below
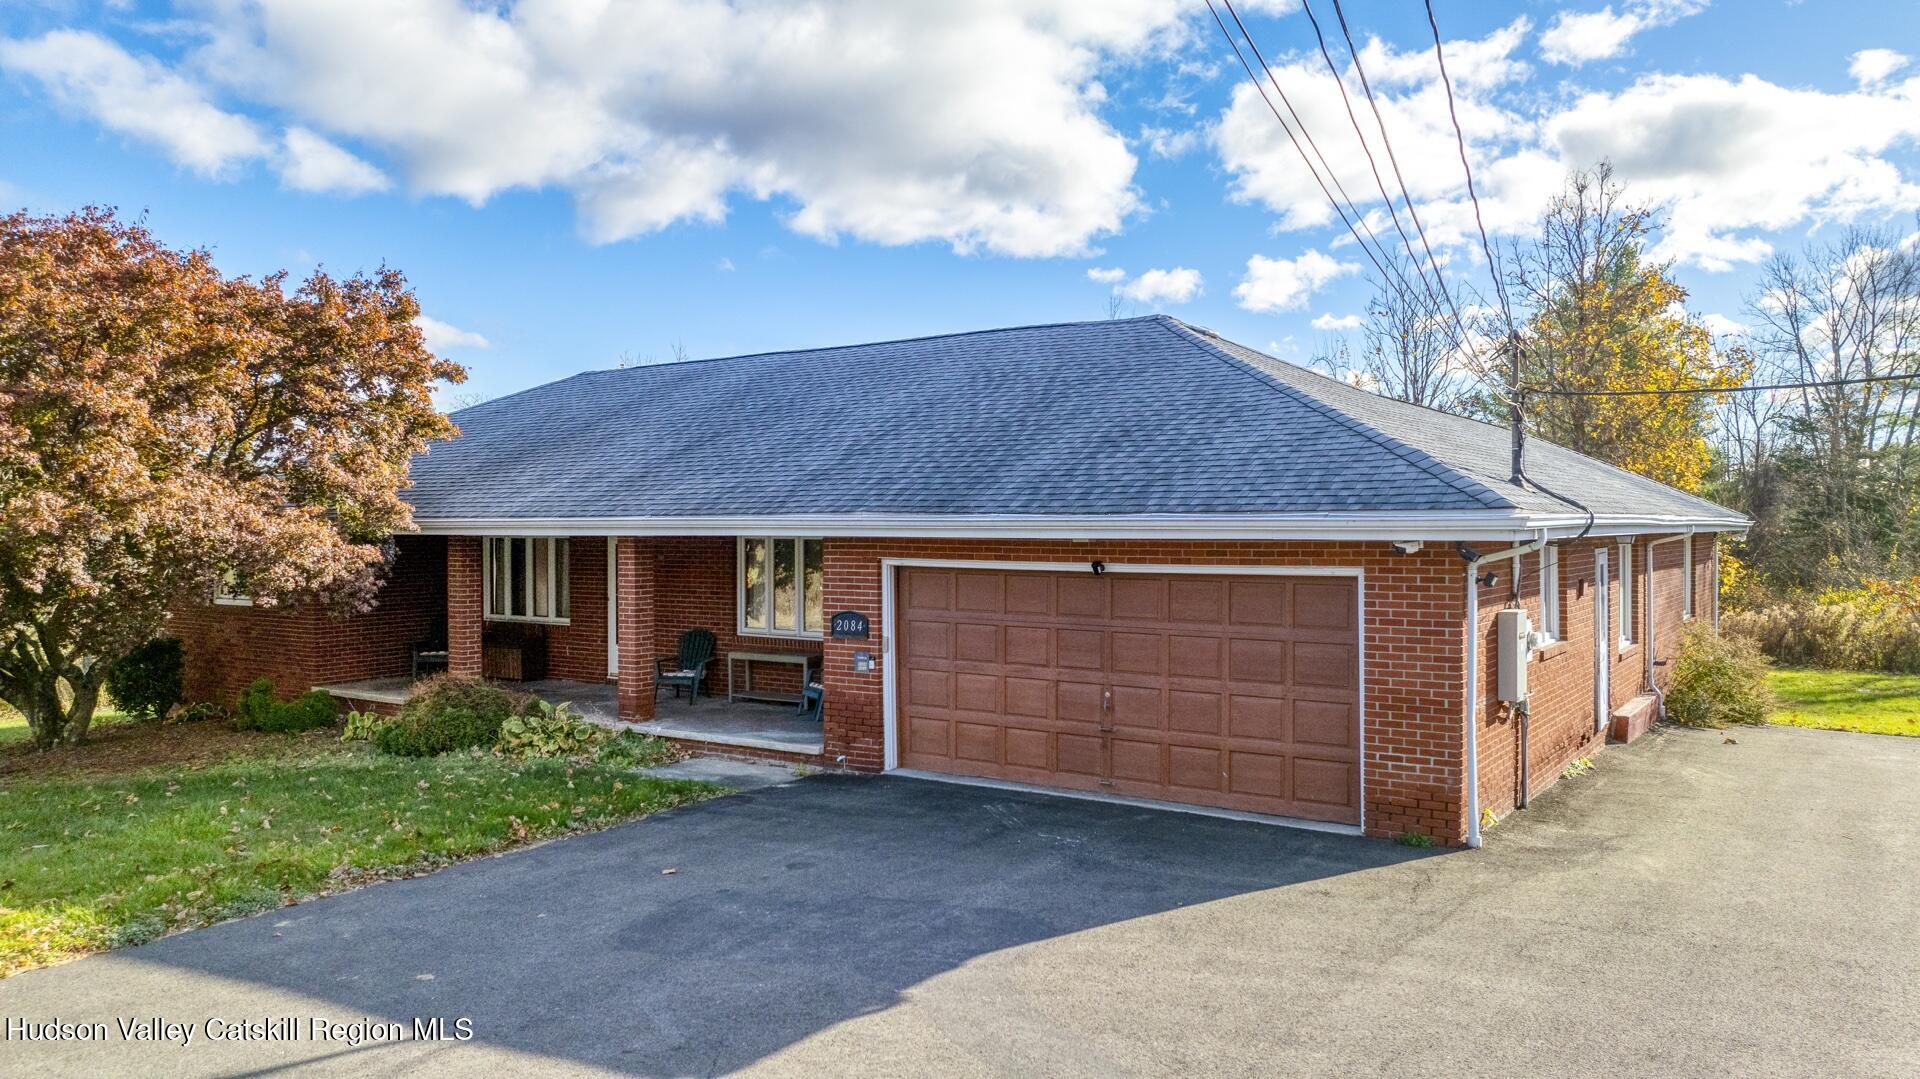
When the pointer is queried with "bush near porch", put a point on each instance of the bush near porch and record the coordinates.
(153, 829)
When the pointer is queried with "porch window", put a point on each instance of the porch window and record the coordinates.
(780, 586)
(526, 579)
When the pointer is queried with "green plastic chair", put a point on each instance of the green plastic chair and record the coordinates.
(696, 651)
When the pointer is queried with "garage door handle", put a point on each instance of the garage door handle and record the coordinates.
(1106, 701)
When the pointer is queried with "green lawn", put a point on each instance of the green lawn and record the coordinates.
(1863, 701)
(230, 824)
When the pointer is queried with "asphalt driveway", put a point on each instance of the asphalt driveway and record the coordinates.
(1691, 908)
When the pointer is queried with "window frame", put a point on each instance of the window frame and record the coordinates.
(1626, 607)
(1686, 594)
(224, 594)
(1550, 592)
(800, 632)
(559, 585)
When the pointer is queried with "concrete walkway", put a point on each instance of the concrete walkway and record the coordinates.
(1691, 908)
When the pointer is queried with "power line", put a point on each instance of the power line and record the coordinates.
(1291, 137)
(1460, 137)
(1685, 390)
(1374, 167)
(1406, 287)
(1393, 160)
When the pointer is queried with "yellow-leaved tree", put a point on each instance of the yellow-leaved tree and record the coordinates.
(1603, 318)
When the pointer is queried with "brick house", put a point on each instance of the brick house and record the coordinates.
(1124, 558)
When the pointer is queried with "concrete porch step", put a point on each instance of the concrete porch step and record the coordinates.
(1634, 718)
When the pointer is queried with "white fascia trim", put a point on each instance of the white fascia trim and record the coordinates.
(1486, 525)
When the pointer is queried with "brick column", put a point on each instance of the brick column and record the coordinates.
(633, 567)
(464, 616)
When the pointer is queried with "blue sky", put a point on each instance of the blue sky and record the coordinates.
(567, 188)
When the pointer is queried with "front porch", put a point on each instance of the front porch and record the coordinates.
(709, 723)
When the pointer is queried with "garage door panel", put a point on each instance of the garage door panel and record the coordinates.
(1139, 653)
(1080, 649)
(1139, 706)
(1139, 599)
(1319, 664)
(1325, 782)
(1028, 697)
(1258, 661)
(929, 640)
(1258, 601)
(1078, 702)
(1194, 769)
(1029, 646)
(1323, 723)
(979, 592)
(1262, 775)
(976, 741)
(976, 693)
(1079, 754)
(1081, 597)
(1029, 594)
(1027, 748)
(1239, 692)
(1264, 718)
(929, 689)
(976, 643)
(1193, 712)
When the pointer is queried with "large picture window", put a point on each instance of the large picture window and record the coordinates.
(526, 579)
(780, 586)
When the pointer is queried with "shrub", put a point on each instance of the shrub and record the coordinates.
(360, 726)
(448, 712)
(552, 731)
(260, 709)
(1858, 631)
(146, 682)
(1718, 680)
(631, 749)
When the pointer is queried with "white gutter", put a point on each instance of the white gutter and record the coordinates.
(1473, 681)
(1480, 526)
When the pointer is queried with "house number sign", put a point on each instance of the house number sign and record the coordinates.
(848, 624)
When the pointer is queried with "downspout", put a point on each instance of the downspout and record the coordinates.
(1473, 674)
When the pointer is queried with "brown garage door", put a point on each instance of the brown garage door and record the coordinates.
(1238, 692)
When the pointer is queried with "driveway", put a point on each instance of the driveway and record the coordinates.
(1692, 907)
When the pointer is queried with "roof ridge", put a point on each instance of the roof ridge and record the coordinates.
(1413, 455)
(873, 344)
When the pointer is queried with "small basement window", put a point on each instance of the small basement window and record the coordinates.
(526, 579)
(779, 587)
(230, 591)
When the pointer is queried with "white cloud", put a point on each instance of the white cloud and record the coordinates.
(1285, 284)
(1170, 142)
(725, 265)
(311, 163)
(972, 125)
(1106, 275)
(442, 336)
(136, 97)
(1723, 158)
(1873, 66)
(1577, 37)
(1331, 322)
(1177, 285)
(1720, 325)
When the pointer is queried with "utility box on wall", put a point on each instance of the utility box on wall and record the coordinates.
(1513, 633)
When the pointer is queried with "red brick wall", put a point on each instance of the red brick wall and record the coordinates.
(228, 647)
(465, 600)
(1415, 610)
(697, 590)
(1560, 680)
(635, 577)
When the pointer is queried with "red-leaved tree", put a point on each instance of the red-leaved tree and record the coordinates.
(162, 424)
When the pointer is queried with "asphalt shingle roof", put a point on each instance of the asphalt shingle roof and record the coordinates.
(1133, 416)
